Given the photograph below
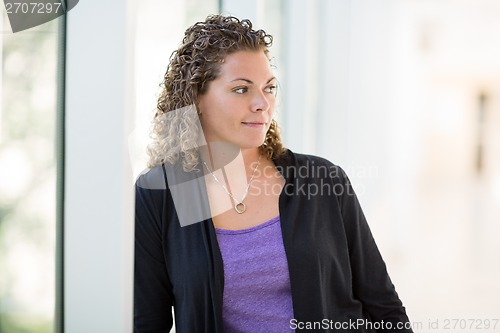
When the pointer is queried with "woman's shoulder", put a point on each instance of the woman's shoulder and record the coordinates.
(313, 160)
(152, 179)
(315, 165)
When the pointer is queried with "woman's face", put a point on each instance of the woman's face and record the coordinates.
(239, 105)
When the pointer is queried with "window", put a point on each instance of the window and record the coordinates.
(28, 111)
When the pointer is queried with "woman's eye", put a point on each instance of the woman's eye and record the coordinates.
(241, 90)
(271, 89)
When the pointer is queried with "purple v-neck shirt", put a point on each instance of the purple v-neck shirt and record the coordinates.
(257, 293)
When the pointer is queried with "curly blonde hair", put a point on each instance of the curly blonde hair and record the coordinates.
(192, 67)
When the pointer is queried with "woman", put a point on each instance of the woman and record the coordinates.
(235, 232)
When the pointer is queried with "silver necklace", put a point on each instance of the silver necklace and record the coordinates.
(239, 205)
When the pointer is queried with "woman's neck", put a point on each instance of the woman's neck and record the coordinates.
(218, 155)
(250, 156)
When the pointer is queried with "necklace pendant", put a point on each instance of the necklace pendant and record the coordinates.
(240, 207)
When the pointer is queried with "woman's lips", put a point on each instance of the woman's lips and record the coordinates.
(254, 124)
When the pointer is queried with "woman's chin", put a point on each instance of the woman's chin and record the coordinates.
(242, 143)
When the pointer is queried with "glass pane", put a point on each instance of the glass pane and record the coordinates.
(27, 178)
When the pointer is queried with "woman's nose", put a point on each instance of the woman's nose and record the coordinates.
(260, 103)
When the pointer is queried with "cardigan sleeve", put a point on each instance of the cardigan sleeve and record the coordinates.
(370, 281)
(153, 299)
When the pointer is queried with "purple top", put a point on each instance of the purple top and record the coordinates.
(257, 293)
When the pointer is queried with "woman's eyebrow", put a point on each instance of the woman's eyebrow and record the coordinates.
(250, 81)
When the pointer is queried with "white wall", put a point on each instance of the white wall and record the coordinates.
(98, 219)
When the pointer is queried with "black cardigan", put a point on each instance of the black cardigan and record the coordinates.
(337, 274)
